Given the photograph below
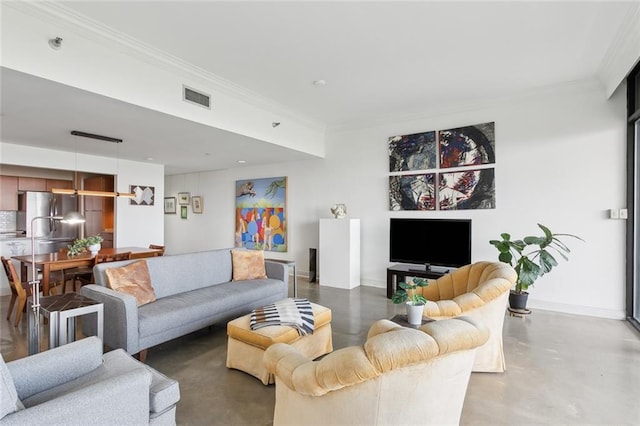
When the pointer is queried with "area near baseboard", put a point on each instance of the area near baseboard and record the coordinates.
(576, 309)
(534, 304)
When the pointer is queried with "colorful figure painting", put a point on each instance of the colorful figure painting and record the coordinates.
(467, 146)
(261, 222)
(412, 192)
(412, 152)
(468, 189)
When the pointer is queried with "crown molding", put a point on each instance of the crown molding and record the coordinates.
(623, 53)
(575, 86)
(67, 18)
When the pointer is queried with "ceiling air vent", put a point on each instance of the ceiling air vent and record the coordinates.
(195, 97)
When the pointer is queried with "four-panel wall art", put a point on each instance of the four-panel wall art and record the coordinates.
(449, 169)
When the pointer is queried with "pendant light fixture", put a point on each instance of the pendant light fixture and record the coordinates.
(88, 192)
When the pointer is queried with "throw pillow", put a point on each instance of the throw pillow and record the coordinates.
(132, 279)
(248, 265)
(9, 402)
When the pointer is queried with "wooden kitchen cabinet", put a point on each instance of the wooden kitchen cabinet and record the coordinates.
(58, 183)
(9, 193)
(98, 211)
(31, 184)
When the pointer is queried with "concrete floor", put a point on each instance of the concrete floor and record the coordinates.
(561, 369)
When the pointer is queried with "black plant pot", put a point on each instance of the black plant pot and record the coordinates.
(518, 300)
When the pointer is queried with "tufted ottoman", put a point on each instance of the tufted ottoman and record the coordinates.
(245, 347)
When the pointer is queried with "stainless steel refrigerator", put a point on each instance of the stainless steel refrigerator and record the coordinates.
(51, 235)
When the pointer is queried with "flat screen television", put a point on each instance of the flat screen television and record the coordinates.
(430, 242)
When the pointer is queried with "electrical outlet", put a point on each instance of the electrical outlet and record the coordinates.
(623, 214)
(614, 214)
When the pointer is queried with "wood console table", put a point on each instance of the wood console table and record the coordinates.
(398, 273)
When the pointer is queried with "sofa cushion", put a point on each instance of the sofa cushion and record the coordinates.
(217, 301)
(115, 364)
(9, 402)
(248, 265)
(133, 279)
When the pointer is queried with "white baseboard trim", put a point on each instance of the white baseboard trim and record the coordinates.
(363, 281)
(592, 311)
(373, 283)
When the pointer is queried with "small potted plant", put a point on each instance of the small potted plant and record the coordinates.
(415, 302)
(531, 258)
(78, 246)
(94, 243)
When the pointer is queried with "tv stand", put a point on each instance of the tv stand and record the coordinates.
(398, 273)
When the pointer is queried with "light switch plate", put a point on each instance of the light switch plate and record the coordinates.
(614, 214)
(623, 214)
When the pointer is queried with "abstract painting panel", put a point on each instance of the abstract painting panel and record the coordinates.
(412, 192)
(467, 146)
(412, 152)
(261, 221)
(468, 189)
(145, 195)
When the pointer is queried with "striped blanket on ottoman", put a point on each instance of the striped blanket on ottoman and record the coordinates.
(295, 313)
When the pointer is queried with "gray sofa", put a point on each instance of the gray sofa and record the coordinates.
(193, 291)
(77, 384)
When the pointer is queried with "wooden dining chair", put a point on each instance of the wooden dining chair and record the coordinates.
(157, 247)
(70, 275)
(102, 258)
(19, 290)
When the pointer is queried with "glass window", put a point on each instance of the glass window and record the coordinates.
(636, 226)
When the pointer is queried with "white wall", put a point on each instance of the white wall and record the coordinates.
(135, 225)
(560, 161)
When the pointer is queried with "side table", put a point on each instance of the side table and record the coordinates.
(292, 264)
(62, 311)
(402, 320)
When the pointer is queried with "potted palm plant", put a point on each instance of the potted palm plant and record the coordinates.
(407, 293)
(531, 257)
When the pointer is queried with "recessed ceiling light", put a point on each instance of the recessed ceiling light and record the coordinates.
(149, 158)
(242, 161)
(319, 83)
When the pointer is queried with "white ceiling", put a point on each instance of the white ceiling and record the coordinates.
(380, 60)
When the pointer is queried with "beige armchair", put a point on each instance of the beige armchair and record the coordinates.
(400, 376)
(479, 291)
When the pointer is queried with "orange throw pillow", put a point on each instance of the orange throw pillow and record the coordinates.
(132, 279)
(248, 265)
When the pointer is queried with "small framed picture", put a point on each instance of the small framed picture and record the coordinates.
(183, 198)
(183, 212)
(196, 204)
(169, 205)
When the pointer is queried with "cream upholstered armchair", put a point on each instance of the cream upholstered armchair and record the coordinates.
(479, 291)
(400, 376)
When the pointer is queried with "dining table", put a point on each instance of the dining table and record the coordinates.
(58, 261)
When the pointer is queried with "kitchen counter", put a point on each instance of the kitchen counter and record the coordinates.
(15, 235)
(39, 239)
